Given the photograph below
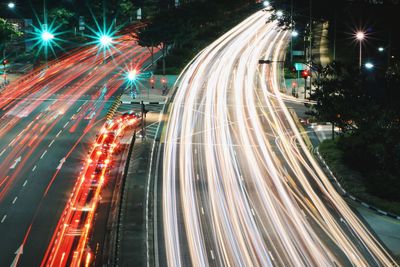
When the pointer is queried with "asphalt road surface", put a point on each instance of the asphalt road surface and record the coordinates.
(48, 121)
(240, 187)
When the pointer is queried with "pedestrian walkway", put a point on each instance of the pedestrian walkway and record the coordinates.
(149, 90)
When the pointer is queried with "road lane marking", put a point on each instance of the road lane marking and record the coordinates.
(18, 160)
(44, 153)
(59, 133)
(26, 181)
(65, 125)
(2, 152)
(79, 109)
(15, 199)
(4, 218)
(202, 210)
(34, 168)
(12, 142)
(212, 254)
(51, 143)
(272, 257)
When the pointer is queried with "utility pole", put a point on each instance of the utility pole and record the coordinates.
(291, 25)
(144, 111)
(310, 52)
(334, 34)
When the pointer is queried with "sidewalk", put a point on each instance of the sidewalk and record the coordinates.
(134, 223)
(149, 93)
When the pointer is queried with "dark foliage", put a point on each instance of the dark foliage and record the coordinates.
(366, 106)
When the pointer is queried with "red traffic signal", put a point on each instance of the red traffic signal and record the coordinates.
(5, 62)
(305, 74)
(163, 81)
(152, 81)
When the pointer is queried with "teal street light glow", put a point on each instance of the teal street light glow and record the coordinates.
(105, 40)
(295, 33)
(47, 36)
(279, 13)
(11, 5)
(381, 49)
(132, 75)
(369, 65)
(266, 3)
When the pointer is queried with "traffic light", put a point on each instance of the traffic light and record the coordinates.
(163, 81)
(305, 74)
(5, 62)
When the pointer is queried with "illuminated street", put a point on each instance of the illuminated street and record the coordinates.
(240, 187)
(179, 133)
(49, 119)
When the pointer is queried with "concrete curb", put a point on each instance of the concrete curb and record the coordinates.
(144, 102)
(346, 194)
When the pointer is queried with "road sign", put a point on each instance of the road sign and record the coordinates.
(81, 23)
(300, 66)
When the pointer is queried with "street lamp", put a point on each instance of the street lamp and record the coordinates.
(360, 36)
(381, 49)
(47, 36)
(369, 65)
(294, 34)
(105, 40)
(279, 13)
(11, 5)
(266, 3)
(132, 75)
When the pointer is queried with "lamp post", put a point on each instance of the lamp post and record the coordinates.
(293, 35)
(360, 36)
(369, 65)
(132, 74)
(47, 38)
(11, 5)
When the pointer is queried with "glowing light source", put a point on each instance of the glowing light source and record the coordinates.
(360, 36)
(266, 3)
(295, 33)
(105, 40)
(132, 75)
(381, 49)
(369, 65)
(279, 13)
(47, 36)
(11, 5)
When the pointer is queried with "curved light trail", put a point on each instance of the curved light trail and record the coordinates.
(240, 187)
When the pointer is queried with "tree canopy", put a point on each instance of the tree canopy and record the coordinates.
(366, 106)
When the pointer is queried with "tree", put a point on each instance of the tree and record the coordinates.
(62, 17)
(7, 32)
(366, 106)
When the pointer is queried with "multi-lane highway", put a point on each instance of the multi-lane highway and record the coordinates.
(240, 187)
(48, 121)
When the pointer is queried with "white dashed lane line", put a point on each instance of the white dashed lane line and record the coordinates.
(51, 143)
(44, 153)
(15, 199)
(33, 169)
(4, 218)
